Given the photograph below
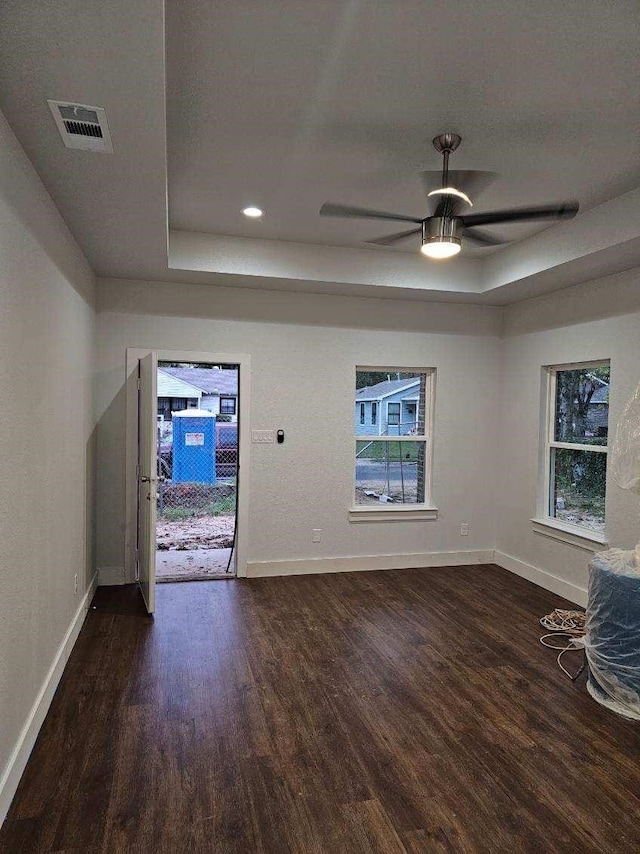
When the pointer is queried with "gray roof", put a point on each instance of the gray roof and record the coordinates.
(386, 388)
(601, 394)
(208, 380)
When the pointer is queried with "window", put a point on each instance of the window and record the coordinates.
(575, 454)
(393, 459)
(393, 414)
(362, 413)
(227, 406)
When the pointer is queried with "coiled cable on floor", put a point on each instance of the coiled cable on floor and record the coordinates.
(569, 625)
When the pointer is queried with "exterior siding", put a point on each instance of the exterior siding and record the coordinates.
(210, 402)
(366, 429)
(408, 400)
(169, 386)
(598, 418)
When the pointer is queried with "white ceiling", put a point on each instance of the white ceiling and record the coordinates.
(289, 104)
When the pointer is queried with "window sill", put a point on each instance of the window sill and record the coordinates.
(402, 513)
(583, 538)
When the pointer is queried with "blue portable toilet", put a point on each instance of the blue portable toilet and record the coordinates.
(194, 446)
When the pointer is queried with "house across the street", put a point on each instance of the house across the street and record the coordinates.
(389, 408)
(213, 389)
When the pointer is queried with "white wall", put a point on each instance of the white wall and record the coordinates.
(46, 352)
(303, 382)
(549, 330)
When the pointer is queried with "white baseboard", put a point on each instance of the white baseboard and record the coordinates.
(542, 578)
(22, 750)
(260, 569)
(110, 575)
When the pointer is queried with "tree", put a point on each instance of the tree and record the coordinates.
(574, 391)
(365, 379)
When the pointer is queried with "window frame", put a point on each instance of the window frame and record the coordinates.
(400, 512)
(374, 413)
(560, 529)
(233, 400)
(391, 423)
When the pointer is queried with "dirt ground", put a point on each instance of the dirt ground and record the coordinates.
(195, 532)
(580, 517)
(195, 548)
(194, 565)
(363, 498)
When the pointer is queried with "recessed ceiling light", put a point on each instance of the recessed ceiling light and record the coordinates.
(252, 212)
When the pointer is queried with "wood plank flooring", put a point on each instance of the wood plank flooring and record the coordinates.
(403, 711)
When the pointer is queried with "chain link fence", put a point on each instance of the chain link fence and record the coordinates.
(197, 488)
(206, 482)
(389, 471)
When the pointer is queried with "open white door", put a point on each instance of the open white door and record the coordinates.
(147, 478)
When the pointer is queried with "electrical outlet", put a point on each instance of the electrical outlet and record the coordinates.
(464, 529)
(75, 583)
(316, 535)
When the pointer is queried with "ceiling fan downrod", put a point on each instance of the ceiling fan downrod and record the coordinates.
(445, 144)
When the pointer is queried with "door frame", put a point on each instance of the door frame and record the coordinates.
(133, 355)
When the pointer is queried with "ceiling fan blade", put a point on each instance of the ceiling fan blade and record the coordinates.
(559, 210)
(483, 238)
(331, 209)
(390, 239)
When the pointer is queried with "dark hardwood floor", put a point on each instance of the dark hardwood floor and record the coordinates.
(394, 711)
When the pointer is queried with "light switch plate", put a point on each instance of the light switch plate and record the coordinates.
(262, 437)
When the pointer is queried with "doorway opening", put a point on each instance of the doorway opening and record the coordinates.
(198, 412)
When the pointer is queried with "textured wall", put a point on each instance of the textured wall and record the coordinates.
(298, 372)
(46, 459)
(529, 344)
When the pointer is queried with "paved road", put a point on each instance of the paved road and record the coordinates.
(375, 472)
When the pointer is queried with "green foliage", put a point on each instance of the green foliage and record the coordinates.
(222, 507)
(177, 514)
(393, 451)
(184, 500)
(580, 478)
(364, 379)
(574, 390)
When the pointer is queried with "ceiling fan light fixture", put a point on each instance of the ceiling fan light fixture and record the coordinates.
(439, 248)
(451, 191)
(441, 237)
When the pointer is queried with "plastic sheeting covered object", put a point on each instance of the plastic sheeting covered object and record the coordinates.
(612, 641)
(625, 454)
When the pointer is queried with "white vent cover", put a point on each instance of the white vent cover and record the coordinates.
(82, 126)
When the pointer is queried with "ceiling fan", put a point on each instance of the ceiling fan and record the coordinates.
(443, 229)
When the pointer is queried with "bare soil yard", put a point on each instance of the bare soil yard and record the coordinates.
(195, 532)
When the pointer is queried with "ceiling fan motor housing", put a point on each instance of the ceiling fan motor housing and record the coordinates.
(442, 229)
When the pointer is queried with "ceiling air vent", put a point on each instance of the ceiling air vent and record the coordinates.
(81, 126)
